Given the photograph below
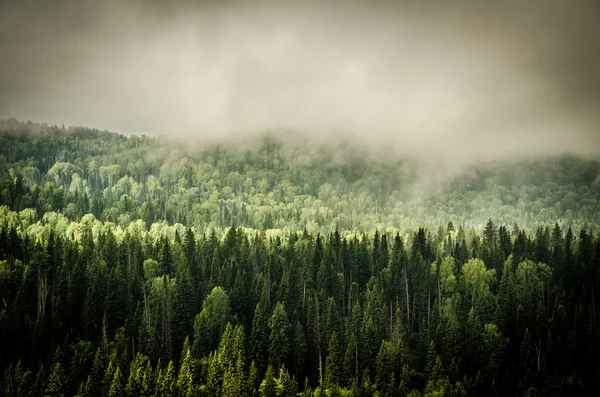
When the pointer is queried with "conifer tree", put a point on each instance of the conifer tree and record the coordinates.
(259, 337)
(278, 339)
(253, 381)
(286, 385)
(165, 381)
(56, 382)
(108, 377)
(333, 362)
(185, 381)
(268, 387)
(117, 386)
(183, 307)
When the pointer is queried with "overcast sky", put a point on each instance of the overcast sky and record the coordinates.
(453, 77)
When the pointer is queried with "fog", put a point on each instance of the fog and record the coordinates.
(447, 79)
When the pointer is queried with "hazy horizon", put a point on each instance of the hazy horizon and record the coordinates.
(459, 79)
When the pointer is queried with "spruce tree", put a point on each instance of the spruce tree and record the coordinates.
(117, 386)
(56, 383)
(278, 340)
(286, 385)
(268, 387)
(185, 381)
(333, 362)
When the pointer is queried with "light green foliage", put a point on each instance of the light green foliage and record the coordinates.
(211, 321)
(185, 381)
(17, 380)
(271, 184)
(63, 172)
(448, 276)
(56, 382)
(117, 386)
(165, 381)
(532, 280)
(330, 265)
(268, 387)
(478, 281)
(140, 374)
(252, 381)
(286, 385)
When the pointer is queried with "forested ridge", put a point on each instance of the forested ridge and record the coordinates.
(267, 184)
(130, 266)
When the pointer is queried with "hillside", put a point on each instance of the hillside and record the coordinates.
(267, 184)
(134, 266)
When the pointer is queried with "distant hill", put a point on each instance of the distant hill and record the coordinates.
(266, 183)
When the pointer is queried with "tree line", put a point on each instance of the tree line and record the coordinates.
(269, 184)
(504, 312)
(130, 266)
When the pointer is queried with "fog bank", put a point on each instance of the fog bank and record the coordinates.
(459, 80)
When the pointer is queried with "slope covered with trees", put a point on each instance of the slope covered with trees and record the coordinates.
(268, 184)
(132, 267)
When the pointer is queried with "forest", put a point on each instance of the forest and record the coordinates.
(136, 266)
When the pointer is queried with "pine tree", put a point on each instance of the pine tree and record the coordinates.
(259, 337)
(286, 385)
(333, 362)
(81, 390)
(108, 378)
(166, 259)
(56, 382)
(437, 384)
(18, 381)
(404, 384)
(268, 387)
(241, 297)
(185, 381)
(134, 381)
(117, 386)
(230, 388)
(183, 307)
(298, 348)
(278, 340)
(253, 381)
(165, 381)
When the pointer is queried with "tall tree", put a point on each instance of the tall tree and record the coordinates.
(211, 321)
(279, 344)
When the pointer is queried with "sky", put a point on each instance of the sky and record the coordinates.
(457, 79)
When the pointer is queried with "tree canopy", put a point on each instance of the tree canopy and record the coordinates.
(133, 267)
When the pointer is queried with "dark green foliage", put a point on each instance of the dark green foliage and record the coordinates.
(95, 303)
(279, 343)
(438, 328)
(334, 361)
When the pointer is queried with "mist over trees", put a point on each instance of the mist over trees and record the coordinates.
(267, 184)
(130, 266)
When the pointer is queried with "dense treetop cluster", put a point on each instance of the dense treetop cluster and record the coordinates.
(132, 267)
(267, 184)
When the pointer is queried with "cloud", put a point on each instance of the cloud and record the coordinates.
(461, 79)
